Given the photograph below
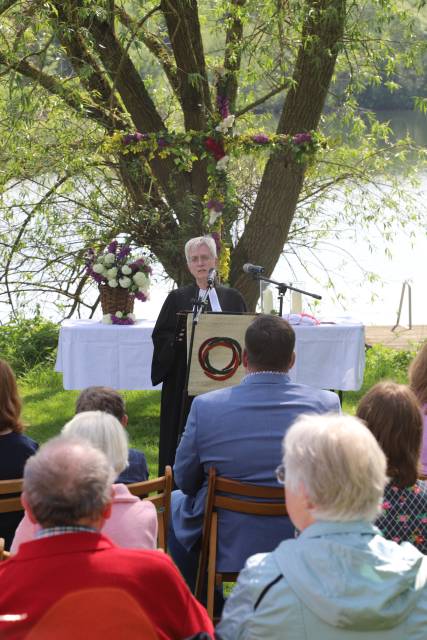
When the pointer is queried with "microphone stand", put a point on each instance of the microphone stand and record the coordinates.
(200, 306)
(282, 287)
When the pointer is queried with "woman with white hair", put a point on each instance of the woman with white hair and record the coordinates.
(169, 364)
(133, 522)
(339, 579)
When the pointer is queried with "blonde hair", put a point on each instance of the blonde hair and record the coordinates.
(418, 375)
(196, 242)
(104, 432)
(340, 465)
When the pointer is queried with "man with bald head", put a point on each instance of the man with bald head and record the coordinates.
(68, 491)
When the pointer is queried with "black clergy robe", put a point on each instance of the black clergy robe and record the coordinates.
(169, 363)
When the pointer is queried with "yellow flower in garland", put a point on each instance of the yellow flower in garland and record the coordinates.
(224, 263)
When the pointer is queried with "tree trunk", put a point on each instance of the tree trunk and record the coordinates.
(267, 230)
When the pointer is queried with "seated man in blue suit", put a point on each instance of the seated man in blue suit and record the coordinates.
(239, 431)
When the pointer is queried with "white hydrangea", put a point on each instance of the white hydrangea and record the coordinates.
(106, 319)
(221, 165)
(132, 316)
(111, 273)
(140, 279)
(119, 314)
(126, 270)
(109, 258)
(113, 283)
(225, 124)
(125, 282)
(214, 215)
(98, 267)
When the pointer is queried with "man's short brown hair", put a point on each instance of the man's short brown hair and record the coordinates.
(101, 399)
(269, 342)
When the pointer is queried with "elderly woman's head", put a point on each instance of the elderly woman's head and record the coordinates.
(335, 470)
(391, 412)
(201, 257)
(104, 432)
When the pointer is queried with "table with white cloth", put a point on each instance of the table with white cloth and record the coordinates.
(328, 356)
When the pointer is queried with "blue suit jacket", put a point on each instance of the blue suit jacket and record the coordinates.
(239, 430)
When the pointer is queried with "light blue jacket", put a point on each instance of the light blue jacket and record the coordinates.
(239, 430)
(337, 581)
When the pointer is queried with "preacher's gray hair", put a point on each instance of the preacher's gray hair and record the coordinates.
(340, 465)
(196, 242)
(66, 480)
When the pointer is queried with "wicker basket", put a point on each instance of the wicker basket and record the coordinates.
(115, 299)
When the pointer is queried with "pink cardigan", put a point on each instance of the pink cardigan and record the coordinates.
(132, 524)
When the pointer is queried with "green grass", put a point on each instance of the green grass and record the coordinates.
(47, 407)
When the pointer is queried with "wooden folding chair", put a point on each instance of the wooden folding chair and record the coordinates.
(10, 504)
(161, 488)
(250, 501)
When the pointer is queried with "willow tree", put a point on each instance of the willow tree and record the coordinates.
(136, 104)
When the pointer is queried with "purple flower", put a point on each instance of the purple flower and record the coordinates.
(140, 295)
(125, 320)
(112, 247)
(215, 204)
(137, 136)
(124, 252)
(128, 138)
(134, 137)
(161, 143)
(301, 138)
(215, 236)
(261, 138)
(223, 106)
(96, 276)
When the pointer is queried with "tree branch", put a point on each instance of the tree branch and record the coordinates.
(71, 97)
(228, 85)
(267, 96)
(182, 20)
(153, 44)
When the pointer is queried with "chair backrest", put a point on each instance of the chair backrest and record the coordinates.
(10, 504)
(158, 491)
(253, 499)
(98, 614)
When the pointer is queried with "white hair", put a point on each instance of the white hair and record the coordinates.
(340, 465)
(193, 243)
(105, 432)
(67, 480)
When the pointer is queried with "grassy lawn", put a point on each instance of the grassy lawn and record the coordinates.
(47, 407)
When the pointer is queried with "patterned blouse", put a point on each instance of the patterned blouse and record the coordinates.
(404, 514)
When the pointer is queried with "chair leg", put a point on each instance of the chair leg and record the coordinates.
(212, 565)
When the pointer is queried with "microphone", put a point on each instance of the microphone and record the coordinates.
(253, 269)
(211, 276)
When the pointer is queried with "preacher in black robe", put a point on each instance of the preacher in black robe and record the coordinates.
(170, 361)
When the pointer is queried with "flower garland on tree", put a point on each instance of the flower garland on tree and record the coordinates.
(217, 146)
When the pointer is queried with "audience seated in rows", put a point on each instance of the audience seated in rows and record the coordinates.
(110, 401)
(339, 579)
(133, 522)
(239, 430)
(392, 414)
(67, 492)
(15, 446)
(418, 384)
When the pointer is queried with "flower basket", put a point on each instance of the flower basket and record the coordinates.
(115, 299)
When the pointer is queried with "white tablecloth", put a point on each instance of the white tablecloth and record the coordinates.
(92, 353)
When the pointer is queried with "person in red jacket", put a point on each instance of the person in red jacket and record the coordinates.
(67, 490)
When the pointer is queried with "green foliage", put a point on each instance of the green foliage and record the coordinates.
(29, 344)
(382, 363)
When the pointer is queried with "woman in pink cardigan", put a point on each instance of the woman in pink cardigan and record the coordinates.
(418, 384)
(133, 522)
